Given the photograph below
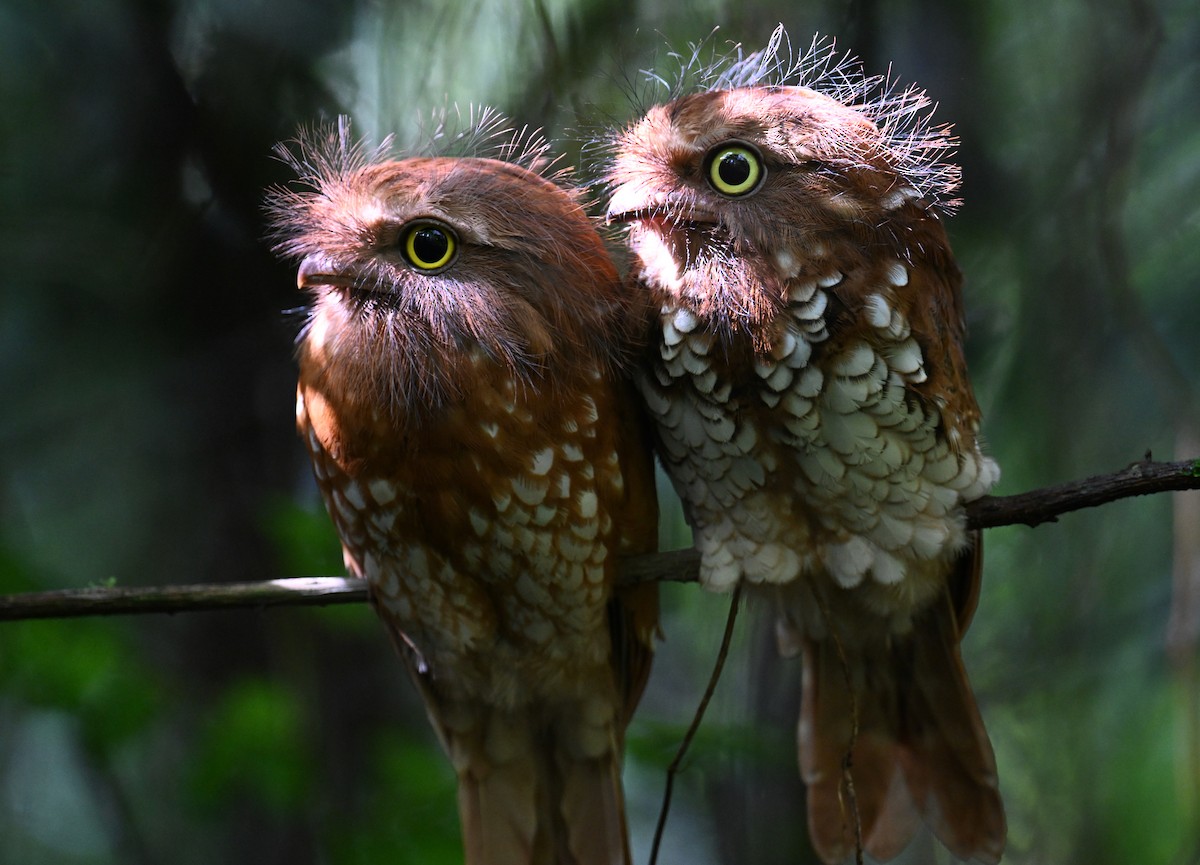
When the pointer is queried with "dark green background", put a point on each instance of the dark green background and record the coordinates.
(146, 412)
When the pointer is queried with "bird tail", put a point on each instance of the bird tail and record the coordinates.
(527, 797)
(890, 735)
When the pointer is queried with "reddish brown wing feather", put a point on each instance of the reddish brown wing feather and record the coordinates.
(633, 614)
(937, 317)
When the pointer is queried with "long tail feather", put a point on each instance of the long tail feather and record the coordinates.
(538, 800)
(909, 739)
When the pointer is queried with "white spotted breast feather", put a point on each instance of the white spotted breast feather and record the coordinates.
(829, 455)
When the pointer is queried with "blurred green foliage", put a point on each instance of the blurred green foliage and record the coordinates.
(254, 743)
(409, 814)
(87, 669)
(147, 394)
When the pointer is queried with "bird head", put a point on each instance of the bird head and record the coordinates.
(425, 264)
(733, 190)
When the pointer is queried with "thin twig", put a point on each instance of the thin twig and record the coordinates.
(848, 756)
(674, 768)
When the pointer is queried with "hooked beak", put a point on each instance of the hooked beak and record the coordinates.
(631, 202)
(318, 269)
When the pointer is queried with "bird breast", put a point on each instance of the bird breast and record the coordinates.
(486, 532)
(813, 456)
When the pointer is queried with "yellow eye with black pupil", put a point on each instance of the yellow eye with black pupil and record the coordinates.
(429, 247)
(735, 170)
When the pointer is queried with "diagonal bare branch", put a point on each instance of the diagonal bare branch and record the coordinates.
(1031, 509)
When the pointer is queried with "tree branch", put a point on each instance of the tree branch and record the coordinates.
(1031, 509)
(105, 601)
(1047, 504)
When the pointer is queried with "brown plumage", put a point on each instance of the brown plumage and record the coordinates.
(485, 465)
(809, 388)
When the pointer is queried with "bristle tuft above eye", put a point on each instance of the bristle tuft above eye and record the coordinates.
(707, 66)
(328, 152)
(325, 156)
(914, 144)
(327, 197)
(486, 133)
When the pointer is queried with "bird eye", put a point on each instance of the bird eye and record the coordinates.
(429, 246)
(735, 169)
